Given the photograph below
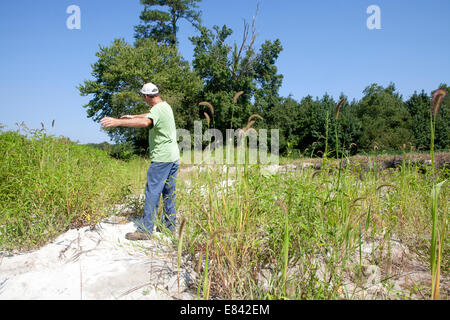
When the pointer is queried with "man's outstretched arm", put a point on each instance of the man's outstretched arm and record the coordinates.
(135, 116)
(128, 123)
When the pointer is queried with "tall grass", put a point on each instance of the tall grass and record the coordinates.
(285, 247)
(252, 235)
(437, 236)
(303, 230)
(179, 251)
(49, 184)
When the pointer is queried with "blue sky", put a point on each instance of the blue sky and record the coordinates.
(327, 48)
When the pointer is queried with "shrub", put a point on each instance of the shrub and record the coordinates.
(49, 184)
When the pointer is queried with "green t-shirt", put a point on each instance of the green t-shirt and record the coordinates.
(163, 136)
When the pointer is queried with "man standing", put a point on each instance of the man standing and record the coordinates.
(165, 156)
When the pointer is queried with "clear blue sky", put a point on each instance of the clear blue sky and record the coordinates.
(327, 48)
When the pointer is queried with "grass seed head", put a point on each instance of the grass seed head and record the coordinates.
(375, 146)
(249, 125)
(183, 224)
(255, 116)
(208, 119)
(209, 105)
(385, 185)
(237, 95)
(338, 107)
(436, 102)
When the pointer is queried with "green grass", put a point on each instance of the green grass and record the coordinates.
(48, 185)
(439, 221)
(305, 229)
(325, 220)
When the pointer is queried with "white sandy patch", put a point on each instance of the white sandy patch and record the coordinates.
(96, 264)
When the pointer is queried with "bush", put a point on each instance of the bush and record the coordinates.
(48, 185)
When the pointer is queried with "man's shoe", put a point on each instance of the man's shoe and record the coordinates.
(136, 236)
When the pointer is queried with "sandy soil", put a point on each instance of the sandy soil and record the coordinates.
(96, 263)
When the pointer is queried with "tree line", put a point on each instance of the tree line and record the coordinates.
(381, 120)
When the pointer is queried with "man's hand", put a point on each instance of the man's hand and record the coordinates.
(110, 123)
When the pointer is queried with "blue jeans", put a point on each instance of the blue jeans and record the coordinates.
(161, 179)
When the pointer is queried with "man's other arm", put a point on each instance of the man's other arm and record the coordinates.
(136, 122)
(135, 116)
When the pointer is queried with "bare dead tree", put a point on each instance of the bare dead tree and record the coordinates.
(246, 45)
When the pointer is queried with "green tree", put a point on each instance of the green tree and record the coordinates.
(303, 125)
(386, 122)
(419, 108)
(122, 70)
(284, 116)
(349, 128)
(211, 63)
(227, 69)
(312, 123)
(161, 18)
(268, 81)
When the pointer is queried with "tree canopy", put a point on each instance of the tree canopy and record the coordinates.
(385, 120)
(380, 120)
(227, 69)
(122, 70)
(160, 19)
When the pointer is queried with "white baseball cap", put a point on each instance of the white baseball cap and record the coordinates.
(150, 89)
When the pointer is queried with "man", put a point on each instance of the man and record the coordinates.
(165, 156)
